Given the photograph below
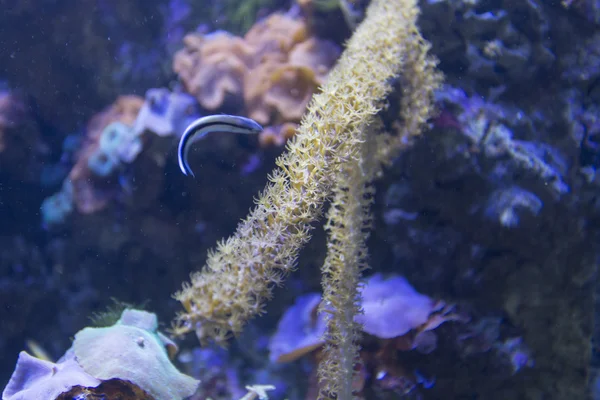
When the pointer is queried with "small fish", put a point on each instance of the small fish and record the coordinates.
(213, 123)
(37, 350)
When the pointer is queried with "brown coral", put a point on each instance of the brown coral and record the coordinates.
(316, 54)
(275, 69)
(290, 91)
(277, 34)
(280, 93)
(256, 85)
(277, 135)
(212, 67)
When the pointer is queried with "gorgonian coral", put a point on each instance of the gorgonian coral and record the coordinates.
(332, 141)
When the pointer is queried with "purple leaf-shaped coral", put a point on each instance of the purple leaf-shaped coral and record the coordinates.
(392, 307)
(44, 380)
(299, 331)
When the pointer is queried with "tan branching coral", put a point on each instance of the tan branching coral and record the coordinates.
(348, 224)
(240, 273)
(336, 137)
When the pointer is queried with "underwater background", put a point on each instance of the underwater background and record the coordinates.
(454, 174)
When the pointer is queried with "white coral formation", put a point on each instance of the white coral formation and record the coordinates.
(132, 350)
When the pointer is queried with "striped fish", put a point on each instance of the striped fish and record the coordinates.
(212, 123)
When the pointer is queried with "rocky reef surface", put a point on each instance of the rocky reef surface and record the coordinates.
(488, 221)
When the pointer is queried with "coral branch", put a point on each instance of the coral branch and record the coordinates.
(349, 218)
(240, 274)
(348, 226)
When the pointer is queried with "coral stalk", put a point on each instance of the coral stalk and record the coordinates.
(348, 226)
(241, 272)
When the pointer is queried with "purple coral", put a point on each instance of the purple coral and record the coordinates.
(299, 331)
(392, 307)
(44, 380)
(166, 113)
